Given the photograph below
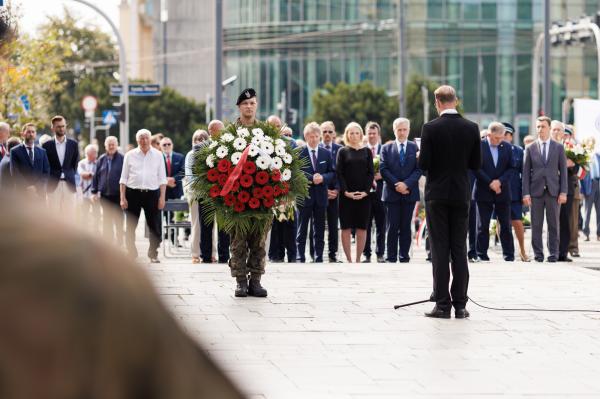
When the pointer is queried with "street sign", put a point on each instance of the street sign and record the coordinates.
(109, 117)
(89, 103)
(25, 103)
(136, 90)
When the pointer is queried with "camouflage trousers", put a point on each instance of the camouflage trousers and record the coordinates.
(248, 252)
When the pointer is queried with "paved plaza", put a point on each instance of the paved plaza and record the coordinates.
(330, 330)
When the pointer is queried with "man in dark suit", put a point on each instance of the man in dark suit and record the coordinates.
(333, 190)
(63, 156)
(492, 192)
(29, 165)
(373, 131)
(450, 146)
(6, 180)
(545, 186)
(174, 165)
(319, 172)
(400, 190)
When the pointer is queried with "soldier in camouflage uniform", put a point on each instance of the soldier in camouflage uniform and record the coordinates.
(248, 250)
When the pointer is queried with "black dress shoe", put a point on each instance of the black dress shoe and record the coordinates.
(334, 260)
(564, 259)
(473, 260)
(380, 259)
(366, 260)
(587, 237)
(509, 258)
(404, 260)
(461, 313)
(390, 261)
(539, 258)
(484, 258)
(551, 259)
(438, 313)
(575, 254)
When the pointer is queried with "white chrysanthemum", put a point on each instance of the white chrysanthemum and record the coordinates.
(235, 157)
(287, 158)
(277, 163)
(258, 132)
(256, 140)
(226, 138)
(213, 144)
(267, 147)
(243, 132)
(279, 143)
(210, 160)
(263, 162)
(286, 175)
(239, 144)
(269, 139)
(222, 151)
(280, 150)
(253, 151)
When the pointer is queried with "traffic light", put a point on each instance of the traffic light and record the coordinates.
(122, 112)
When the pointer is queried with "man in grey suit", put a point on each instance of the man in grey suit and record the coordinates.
(544, 187)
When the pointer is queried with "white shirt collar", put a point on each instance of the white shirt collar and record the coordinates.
(398, 142)
(316, 149)
(60, 142)
(542, 141)
(449, 111)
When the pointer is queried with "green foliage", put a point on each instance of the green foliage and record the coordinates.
(363, 102)
(414, 102)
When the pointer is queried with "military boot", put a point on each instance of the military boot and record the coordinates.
(242, 287)
(255, 289)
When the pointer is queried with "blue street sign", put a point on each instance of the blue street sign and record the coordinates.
(25, 103)
(136, 90)
(109, 118)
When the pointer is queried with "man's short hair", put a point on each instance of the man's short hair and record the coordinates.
(544, 118)
(496, 128)
(312, 127)
(445, 94)
(4, 126)
(25, 126)
(90, 147)
(399, 121)
(111, 138)
(57, 118)
(12, 142)
(559, 124)
(329, 123)
(371, 125)
(154, 138)
(143, 132)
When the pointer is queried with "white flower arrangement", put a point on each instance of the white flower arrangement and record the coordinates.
(263, 162)
(279, 143)
(253, 151)
(277, 163)
(227, 137)
(287, 158)
(258, 132)
(222, 151)
(210, 161)
(213, 144)
(239, 144)
(267, 147)
(257, 140)
(280, 150)
(235, 157)
(286, 175)
(243, 132)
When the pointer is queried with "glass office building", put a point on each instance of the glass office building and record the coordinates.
(290, 48)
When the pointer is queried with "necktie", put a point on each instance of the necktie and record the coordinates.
(328, 147)
(402, 154)
(544, 155)
(2, 150)
(374, 152)
(30, 152)
(314, 159)
(168, 165)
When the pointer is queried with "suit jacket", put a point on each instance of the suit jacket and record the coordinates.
(6, 180)
(393, 172)
(106, 182)
(177, 171)
(516, 180)
(22, 170)
(69, 166)
(503, 171)
(538, 175)
(450, 146)
(317, 193)
(334, 184)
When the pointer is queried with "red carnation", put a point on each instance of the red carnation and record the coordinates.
(223, 165)
(222, 179)
(236, 186)
(229, 199)
(277, 191)
(267, 191)
(276, 175)
(268, 202)
(243, 196)
(212, 175)
(246, 181)
(262, 177)
(285, 188)
(214, 191)
(254, 203)
(257, 192)
(239, 207)
(249, 167)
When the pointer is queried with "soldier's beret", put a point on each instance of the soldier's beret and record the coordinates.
(246, 95)
(508, 128)
(568, 130)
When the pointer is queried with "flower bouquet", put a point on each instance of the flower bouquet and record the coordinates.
(376, 163)
(245, 176)
(579, 153)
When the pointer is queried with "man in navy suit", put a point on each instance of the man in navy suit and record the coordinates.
(29, 165)
(174, 165)
(63, 156)
(333, 190)
(377, 208)
(398, 166)
(319, 172)
(492, 192)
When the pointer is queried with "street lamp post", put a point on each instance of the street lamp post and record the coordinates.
(401, 57)
(218, 59)
(124, 125)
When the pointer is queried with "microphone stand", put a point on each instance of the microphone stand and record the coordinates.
(412, 303)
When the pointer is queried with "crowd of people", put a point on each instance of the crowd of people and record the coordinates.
(359, 185)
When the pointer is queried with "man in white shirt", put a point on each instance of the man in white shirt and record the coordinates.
(143, 185)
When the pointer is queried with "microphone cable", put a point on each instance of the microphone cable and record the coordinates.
(535, 309)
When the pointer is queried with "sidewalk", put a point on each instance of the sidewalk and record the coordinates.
(330, 331)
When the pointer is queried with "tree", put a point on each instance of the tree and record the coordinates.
(414, 102)
(363, 102)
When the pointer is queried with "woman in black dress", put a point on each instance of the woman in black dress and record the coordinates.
(355, 173)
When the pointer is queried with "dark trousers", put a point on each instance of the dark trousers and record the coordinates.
(377, 214)
(548, 204)
(112, 218)
(148, 201)
(484, 214)
(565, 227)
(283, 238)
(332, 218)
(399, 218)
(448, 222)
(206, 240)
(305, 214)
(472, 229)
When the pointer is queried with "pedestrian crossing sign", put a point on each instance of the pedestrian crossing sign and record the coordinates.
(109, 118)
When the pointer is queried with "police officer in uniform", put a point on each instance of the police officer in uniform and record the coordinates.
(248, 252)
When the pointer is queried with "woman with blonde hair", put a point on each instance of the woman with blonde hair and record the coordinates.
(355, 173)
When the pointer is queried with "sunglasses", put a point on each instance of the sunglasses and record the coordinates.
(327, 131)
(166, 145)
